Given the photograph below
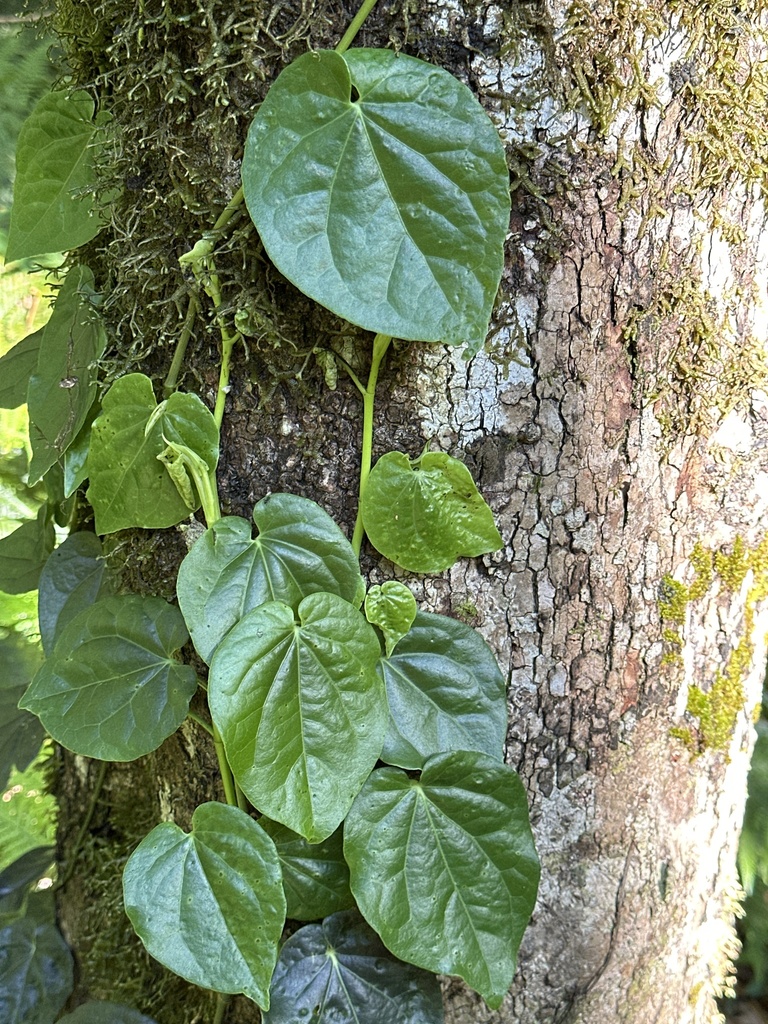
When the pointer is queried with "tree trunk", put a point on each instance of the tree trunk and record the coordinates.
(615, 422)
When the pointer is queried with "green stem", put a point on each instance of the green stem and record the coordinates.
(221, 1008)
(201, 722)
(86, 824)
(226, 772)
(181, 348)
(355, 25)
(380, 345)
(227, 344)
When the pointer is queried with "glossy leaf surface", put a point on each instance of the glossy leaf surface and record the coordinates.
(299, 551)
(73, 578)
(25, 870)
(24, 552)
(129, 486)
(112, 688)
(35, 973)
(301, 709)
(16, 367)
(444, 867)
(391, 208)
(209, 904)
(445, 692)
(426, 516)
(315, 875)
(55, 156)
(104, 1013)
(76, 456)
(391, 607)
(63, 386)
(338, 972)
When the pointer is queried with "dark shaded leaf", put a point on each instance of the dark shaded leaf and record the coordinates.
(35, 973)
(16, 367)
(72, 579)
(24, 552)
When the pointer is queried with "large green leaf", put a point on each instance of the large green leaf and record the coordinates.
(301, 709)
(104, 1013)
(444, 867)
(445, 692)
(426, 514)
(129, 485)
(299, 551)
(55, 157)
(72, 579)
(338, 972)
(315, 875)
(63, 386)
(35, 973)
(24, 552)
(112, 688)
(209, 904)
(390, 206)
(16, 367)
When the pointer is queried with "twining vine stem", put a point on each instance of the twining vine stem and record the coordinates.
(380, 345)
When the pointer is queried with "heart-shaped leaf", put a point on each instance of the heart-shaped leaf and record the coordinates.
(380, 188)
(112, 688)
(63, 386)
(425, 515)
(315, 875)
(129, 485)
(24, 552)
(209, 904)
(104, 1013)
(35, 973)
(72, 579)
(16, 367)
(299, 551)
(338, 972)
(283, 693)
(444, 867)
(445, 692)
(391, 607)
(55, 157)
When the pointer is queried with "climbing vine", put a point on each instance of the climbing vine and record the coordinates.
(359, 739)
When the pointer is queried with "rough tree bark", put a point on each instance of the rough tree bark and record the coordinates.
(615, 422)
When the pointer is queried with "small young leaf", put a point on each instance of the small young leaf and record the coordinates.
(283, 695)
(63, 386)
(299, 551)
(23, 553)
(36, 974)
(129, 486)
(16, 367)
(315, 875)
(445, 692)
(104, 1013)
(338, 972)
(391, 607)
(112, 688)
(209, 904)
(427, 517)
(55, 157)
(444, 868)
(391, 208)
(72, 579)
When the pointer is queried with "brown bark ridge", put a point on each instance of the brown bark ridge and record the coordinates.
(616, 422)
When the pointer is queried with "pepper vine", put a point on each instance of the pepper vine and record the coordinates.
(359, 739)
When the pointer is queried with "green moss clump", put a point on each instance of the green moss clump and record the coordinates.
(701, 560)
(734, 567)
(674, 600)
